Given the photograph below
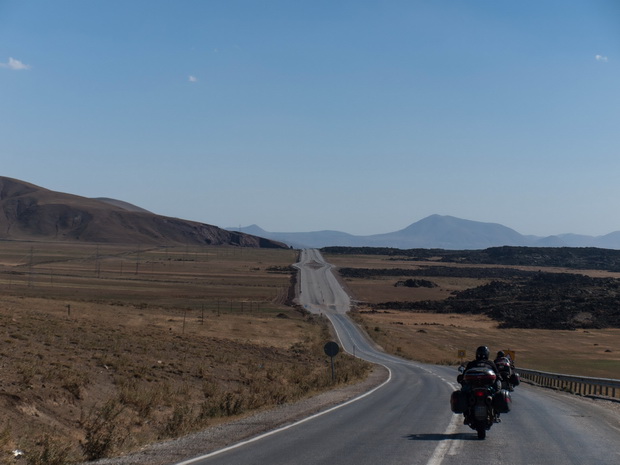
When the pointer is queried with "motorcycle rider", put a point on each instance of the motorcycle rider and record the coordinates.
(482, 361)
(507, 369)
(504, 358)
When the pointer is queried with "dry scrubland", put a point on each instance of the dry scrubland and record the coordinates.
(105, 348)
(436, 338)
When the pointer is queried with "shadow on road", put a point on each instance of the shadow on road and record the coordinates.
(442, 437)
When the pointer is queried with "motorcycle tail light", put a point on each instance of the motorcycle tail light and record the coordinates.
(480, 393)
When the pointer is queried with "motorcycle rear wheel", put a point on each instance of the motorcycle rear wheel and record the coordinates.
(482, 433)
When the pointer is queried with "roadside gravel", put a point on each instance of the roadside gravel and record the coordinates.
(218, 437)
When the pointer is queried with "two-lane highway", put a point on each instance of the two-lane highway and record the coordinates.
(408, 419)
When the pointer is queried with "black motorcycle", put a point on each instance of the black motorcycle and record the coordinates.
(479, 400)
(507, 375)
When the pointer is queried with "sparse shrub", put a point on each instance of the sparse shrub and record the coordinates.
(182, 389)
(69, 379)
(104, 430)
(207, 411)
(6, 439)
(224, 404)
(210, 389)
(49, 451)
(298, 348)
(179, 423)
(232, 404)
(27, 372)
(143, 398)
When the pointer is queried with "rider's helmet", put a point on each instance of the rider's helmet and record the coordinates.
(501, 354)
(482, 353)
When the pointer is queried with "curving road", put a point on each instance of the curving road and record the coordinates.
(408, 419)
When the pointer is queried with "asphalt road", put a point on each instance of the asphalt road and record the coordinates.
(408, 420)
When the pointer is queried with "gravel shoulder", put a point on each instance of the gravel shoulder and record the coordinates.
(226, 434)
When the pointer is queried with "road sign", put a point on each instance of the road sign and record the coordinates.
(462, 353)
(331, 349)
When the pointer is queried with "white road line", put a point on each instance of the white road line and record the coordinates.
(275, 431)
(447, 445)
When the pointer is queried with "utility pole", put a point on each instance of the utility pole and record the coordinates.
(30, 268)
(97, 264)
(137, 260)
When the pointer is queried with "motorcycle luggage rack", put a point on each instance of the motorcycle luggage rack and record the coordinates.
(479, 377)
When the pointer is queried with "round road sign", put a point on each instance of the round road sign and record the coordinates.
(331, 349)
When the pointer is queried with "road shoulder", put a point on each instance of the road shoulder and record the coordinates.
(226, 434)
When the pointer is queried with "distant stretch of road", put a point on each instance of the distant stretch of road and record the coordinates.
(408, 419)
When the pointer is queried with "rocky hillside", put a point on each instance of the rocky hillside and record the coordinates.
(580, 258)
(29, 212)
(540, 301)
(516, 297)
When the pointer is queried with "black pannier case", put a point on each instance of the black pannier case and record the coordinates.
(458, 402)
(502, 401)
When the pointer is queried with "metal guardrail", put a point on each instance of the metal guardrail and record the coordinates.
(582, 385)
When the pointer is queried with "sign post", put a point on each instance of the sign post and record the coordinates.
(331, 350)
(461, 354)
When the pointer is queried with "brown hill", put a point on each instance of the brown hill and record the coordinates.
(29, 212)
(123, 205)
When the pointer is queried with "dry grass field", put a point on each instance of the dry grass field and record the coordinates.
(437, 338)
(106, 347)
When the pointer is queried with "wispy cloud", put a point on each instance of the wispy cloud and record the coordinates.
(192, 78)
(15, 65)
(601, 58)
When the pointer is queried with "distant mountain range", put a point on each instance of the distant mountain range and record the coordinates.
(437, 232)
(29, 212)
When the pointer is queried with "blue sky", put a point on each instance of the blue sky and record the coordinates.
(360, 116)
